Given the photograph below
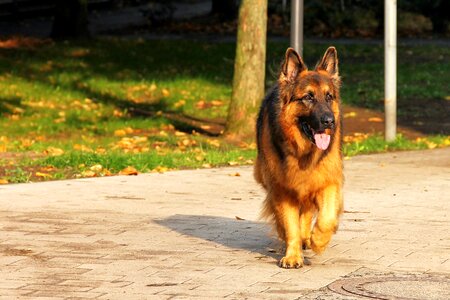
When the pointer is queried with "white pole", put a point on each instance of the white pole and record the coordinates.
(297, 26)
(390, 69)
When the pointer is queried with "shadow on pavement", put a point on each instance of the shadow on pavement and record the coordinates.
(232, 233)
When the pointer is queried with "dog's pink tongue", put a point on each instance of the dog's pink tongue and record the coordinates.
(322, 140)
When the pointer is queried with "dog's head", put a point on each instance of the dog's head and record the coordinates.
(310, 99)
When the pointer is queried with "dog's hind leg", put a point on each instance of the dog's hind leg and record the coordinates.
(329, 202)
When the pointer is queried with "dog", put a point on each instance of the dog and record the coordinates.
(299, 160)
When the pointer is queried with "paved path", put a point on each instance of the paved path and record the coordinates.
(177, 235)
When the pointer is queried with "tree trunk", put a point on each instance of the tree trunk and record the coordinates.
(71, 19)
(249, 70)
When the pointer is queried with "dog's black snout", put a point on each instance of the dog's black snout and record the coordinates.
(327, 121)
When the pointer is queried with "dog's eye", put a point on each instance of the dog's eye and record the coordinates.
(329, 97)
(308, 98)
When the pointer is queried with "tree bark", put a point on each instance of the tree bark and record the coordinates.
(71, 19)
(249, 70)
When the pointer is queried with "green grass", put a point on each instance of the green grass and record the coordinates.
(376, 143)
(72, 105)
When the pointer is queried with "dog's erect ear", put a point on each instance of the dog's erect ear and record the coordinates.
(292, 65)
(329, 62)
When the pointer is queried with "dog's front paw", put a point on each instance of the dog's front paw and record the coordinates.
(290, 262)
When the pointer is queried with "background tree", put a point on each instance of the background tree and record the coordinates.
(70, 19)
(249, 69)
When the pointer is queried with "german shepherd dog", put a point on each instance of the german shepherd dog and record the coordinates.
(299, 163)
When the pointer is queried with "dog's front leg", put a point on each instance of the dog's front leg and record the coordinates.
(329, 202)
(288, 223)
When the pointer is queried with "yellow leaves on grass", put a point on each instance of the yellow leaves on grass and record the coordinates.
(202, 104)
(123, 132)
(53, 151)
(144, 93)
(62, 117)
(43, 175)
(23, 42)
(96, 170)
(80, 52)
(160, 169)
(3, 143)
(430, 144)
(355, 137)
(86, 105)
(179, 103)
(129, 171)
(3, 181)
(45, 172)
(165, 92)
(82, 148)
(213, 142)
(135, 144)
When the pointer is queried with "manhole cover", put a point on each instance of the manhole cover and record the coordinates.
(394, 288)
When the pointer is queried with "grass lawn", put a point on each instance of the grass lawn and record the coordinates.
(94, 108)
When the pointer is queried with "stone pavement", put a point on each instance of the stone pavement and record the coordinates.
(196, 234)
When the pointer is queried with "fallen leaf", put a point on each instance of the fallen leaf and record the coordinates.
(235, 174)
(232, 163)
(215, 143)
(79, 52)
(206, 166)
(96, 168)
(216, 103)
(375, 120)
(82, 148)
(43, 175)
(129, 171)
(165, 92)
(179, 133)
(200, 104)
(239, 218)
(129, 130)
(351, 114)
(119, 132)
(179, 103)
(160, 169)
(48, 168)
(117, 113)
(3, 181)
(54, 151)
(88, 173)
(431, 145)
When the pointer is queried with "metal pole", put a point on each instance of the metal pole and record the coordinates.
(390, 69)
(297, 26)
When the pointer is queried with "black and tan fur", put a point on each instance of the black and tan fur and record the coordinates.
(303, 182)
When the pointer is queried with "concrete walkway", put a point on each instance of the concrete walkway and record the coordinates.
(196, 234)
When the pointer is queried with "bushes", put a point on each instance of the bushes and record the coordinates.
(365, 18)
